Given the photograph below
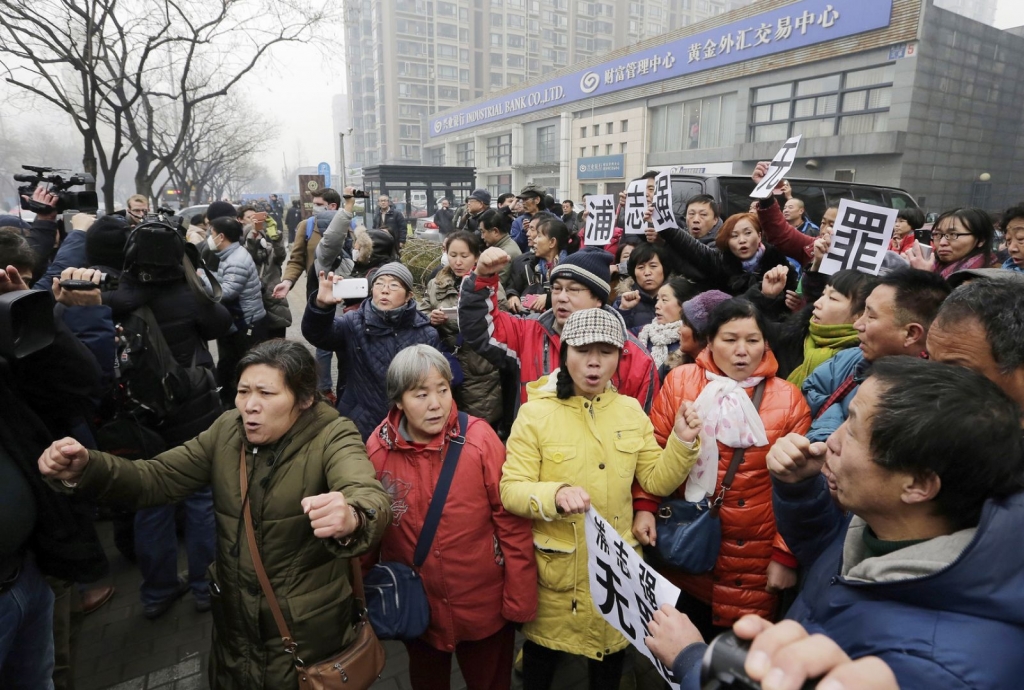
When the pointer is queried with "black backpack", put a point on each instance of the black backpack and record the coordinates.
(154, 253)
(151, 383)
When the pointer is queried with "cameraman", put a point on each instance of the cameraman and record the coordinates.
(43, 231)
(42, 533)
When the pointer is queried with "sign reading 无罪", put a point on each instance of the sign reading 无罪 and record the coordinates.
(799, 24)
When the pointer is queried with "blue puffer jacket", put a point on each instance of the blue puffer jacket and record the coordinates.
(959, 627)
(240, 281)
(366, 341)
(823, 382)
(962, 626)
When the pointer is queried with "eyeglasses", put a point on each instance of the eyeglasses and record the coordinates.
(948, 236)
(574, 290)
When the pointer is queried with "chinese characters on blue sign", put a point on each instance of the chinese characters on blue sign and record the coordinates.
(793, 26)
(599, 167)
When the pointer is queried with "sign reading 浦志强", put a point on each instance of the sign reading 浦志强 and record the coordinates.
(795, 25)
(599, 167)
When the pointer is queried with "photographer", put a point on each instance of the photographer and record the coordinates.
(52, 382)
(43, 230)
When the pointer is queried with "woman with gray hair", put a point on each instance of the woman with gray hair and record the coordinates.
(479, 576)
(314, 504)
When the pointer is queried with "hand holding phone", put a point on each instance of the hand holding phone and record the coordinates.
(351, 288)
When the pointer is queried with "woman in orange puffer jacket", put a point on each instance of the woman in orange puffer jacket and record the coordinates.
(753, 563)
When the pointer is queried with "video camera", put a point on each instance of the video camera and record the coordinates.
(85, 202)
(722, 666)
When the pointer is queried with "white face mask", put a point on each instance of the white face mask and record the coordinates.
(356, 255)
(444, 259)
(211, 243)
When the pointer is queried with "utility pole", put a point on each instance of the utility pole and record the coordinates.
(341, 168)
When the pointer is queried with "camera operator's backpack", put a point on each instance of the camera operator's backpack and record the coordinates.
(151, 383)
(154, 253)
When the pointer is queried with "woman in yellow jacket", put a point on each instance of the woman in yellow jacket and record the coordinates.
(578, 443)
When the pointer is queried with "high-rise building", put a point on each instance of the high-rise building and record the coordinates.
(979, 10)
(407, 59)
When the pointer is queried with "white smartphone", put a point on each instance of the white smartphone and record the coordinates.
(351, 288)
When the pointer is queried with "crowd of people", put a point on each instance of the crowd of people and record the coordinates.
(860, 437)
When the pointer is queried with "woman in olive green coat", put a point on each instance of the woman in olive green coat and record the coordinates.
(315, 502)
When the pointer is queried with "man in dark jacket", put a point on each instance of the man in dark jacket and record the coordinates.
(907, 523)
(444, 217)
(389, 218)
(293, 219)
(532, 197)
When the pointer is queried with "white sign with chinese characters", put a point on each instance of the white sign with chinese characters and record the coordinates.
(860, 238)
(778, 168)
(636, 207)
(625, 590)
(600, 219)
(662, 216)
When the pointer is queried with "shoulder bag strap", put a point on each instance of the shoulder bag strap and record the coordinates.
(444, 483)
(737, 457)
(257, 562)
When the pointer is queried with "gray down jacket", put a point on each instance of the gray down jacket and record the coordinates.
(240, 282)
(480, 392)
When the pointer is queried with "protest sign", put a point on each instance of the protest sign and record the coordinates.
(777, 169)
(600, 219)
(860, 238)
(636, 207)
(625, 590)
(662, 216)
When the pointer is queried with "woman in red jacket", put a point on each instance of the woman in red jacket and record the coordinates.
(480, 576)
(753, 563)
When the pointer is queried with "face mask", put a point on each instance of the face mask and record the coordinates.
(357, 255)
(211, 243)
(444, 259)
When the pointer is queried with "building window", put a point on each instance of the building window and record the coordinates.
(436, 157)
(547, 144)
(516, 61)
(583, 152)
(448, 92)
(446, 50)
(465, 154)
(597, 130)
(516, 21)
(447, 72)
(583, 132)
(516, 42)
(855, 102)
(624, 126)
(704, 123)
(495, 59)
(498, 185)
(447, 9)
(497, 81)
(607, 149)
(409, 131)
(495, 40)
(406, 151)
(499, 150)
(447, 31)
(593, 151)
(609, 128)
(622, 147)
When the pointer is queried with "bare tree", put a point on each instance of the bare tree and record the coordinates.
(122, 69)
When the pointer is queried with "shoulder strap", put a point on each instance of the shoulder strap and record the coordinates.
(444, 483)
(310, 224)
(737, 457)
(355, 573)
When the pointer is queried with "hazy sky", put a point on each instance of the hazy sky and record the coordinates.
(297, 90)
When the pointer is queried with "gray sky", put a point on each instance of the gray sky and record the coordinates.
(1009, 13)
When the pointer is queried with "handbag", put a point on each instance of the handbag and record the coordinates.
(690, 534)
(357, 666)
(396, 600)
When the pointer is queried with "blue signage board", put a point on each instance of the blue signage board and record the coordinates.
(325, 170)
(800, 24)
(599, 167)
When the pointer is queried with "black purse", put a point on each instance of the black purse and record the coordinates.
(690, 534)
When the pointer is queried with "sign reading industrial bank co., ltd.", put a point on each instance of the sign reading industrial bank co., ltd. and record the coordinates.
(797, 25)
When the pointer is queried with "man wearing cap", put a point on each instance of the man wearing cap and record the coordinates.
(478, 202)
(531, 197)
(530, 346)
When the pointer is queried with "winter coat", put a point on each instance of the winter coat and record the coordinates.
(736, 586)
(777, 231)
(518, 234)
(640, 315)
(959, 626)
(512, 249)
(601, 446)
(524, 278)
(186, 323)
(445, 220)
(480, 392)
(303, 251)
(310, 576)
(722, 270)
(480, 572)
(240, 282)
(334, 251)
(268, 266)
(530, 346)
(393, 222)
(366, 341)
(823, 382)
